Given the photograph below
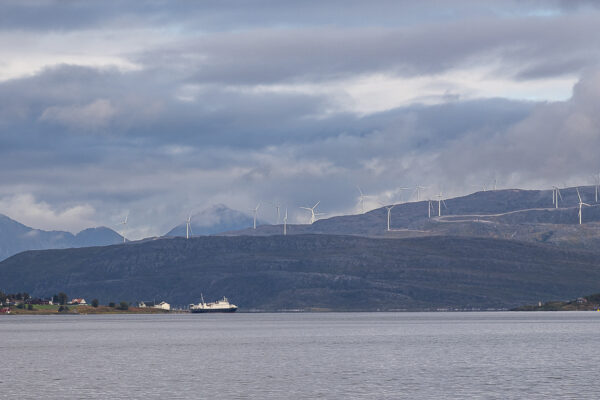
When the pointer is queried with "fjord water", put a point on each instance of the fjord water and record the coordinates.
(302, 356)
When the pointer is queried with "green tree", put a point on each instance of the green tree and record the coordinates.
(112, 304)
(30, 307)
(62, 298)
(123, 305)
(63, 309)
(95, 303)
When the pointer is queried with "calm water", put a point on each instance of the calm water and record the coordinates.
(302, 356)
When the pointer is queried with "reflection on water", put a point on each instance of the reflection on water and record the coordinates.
(301, 356)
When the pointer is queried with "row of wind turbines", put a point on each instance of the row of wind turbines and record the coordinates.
(314, 214)
(417, 190)
(556, 195)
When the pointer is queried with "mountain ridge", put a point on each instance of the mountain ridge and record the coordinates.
(16, 237)
(313, 272)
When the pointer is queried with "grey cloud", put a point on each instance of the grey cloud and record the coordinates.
(223, 147)
(47, 15)
(557, 143)
(189, 129)
(523, 47)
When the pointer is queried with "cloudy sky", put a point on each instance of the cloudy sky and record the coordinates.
(167, 107)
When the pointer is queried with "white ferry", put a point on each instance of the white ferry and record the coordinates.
(221, 306)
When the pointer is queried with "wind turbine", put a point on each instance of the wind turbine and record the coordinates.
(429, 208)
(188, 227)
(312, 211)
(255, 211)
(440, 201)
(277, 207)
(401, 189)
(581, 203)
(389, 214)
(418, 190)
(124, 223)
(556, 196)
(483, 187)
(597, 184)
(285, 223)
(361, 200)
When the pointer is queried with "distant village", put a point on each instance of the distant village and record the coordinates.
(60, 303)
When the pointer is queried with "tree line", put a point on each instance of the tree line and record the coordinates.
(61, 299)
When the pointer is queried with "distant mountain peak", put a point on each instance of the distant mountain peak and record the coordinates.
(215, 219)
(16, 237)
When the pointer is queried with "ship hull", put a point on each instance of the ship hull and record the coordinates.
(222, 310)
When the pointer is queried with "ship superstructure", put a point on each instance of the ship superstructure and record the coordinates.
(221, 306)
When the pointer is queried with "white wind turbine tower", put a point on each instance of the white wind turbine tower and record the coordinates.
(285, 223)
(362, 198)
(124, 223)
(440, 201)
(597, 184)
(389, 214)
(312, 211)
(188, 227)
(278, 208)
(581, 203)
(401, 189)
(429, 208)
(556, 195)
(418, 190)
(255, 212)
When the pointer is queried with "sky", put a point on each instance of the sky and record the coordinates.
(159, 109)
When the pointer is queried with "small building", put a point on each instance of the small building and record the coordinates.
(163, 305)
(80, 302)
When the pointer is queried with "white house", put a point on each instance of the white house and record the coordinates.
(163, 305)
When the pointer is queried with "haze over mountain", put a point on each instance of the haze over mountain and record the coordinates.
(216, 219)
(16, 237)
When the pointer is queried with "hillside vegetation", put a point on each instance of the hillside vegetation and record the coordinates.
(313, 272)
